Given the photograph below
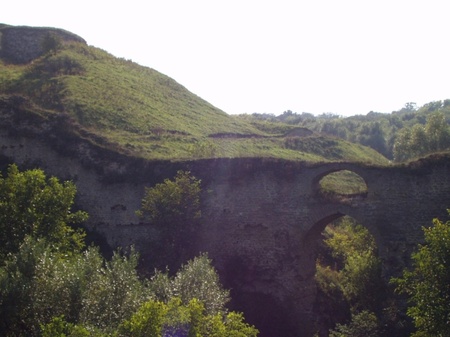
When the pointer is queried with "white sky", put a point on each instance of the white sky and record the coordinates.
(346, 57)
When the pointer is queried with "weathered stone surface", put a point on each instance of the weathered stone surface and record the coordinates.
(262, 218)
(22, 44)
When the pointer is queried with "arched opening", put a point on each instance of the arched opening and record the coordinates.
(351, 292)
(342, 186)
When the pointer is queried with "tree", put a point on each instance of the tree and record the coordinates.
(358, 269)
(39, 283)
(348, 275)
(428, 282)
(363, 324)
(173, 207)
(174, 202)
(437, 131)
(195, 279)
(174, 318)
(420, 140)
(32, 204)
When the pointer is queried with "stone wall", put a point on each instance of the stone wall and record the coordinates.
(262, 218)
(21, 44)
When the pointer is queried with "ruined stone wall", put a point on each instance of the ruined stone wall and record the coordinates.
(261, 220)
(21, 44)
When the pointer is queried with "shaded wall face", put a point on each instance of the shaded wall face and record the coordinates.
(254, 232)
(258, 217)
(23, 44)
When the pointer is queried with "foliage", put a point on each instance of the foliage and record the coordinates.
(52, 289)
(155, 318)
(427, 283)
(348, 276)
(379, 131)
(58, 326)
(358, 268)
(172, 201)
(173, 207)
(31, 204)
(420, 140)
(38, 284)
(363, 324)
(197, 279)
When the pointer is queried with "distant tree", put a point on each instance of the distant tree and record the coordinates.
(419, 144)
(438, 132)
(32, 204)
(420, 140)
(409, 107)
(428, 282)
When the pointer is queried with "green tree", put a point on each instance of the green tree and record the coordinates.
(437, 131)
(31, 204)
(155, 319)
(38, 283)
(363, 324)
(357, 272)
(173, 202)
(419, 144)
(196, 279)
(419, 140)
(173, 207)
(402, 145)
(428, 282)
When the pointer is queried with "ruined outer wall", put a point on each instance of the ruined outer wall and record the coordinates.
(261, 218)
(21, 44)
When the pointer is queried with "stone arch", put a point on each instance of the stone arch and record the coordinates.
(355, 185)
(313, 235)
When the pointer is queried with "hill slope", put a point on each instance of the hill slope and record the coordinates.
(142, 112)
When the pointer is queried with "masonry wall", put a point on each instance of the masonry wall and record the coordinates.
(261, 218)
(21, 44)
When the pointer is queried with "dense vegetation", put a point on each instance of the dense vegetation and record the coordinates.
(52, 285)
(138, 111)
(354, 300)
(428, 282)
(405, 134)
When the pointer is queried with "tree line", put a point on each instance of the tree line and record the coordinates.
(395, 135)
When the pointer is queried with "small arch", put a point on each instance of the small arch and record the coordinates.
(344, 186)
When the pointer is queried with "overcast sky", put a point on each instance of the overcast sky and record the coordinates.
(344, 57)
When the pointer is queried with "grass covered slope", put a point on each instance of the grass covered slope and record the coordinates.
(144, 113)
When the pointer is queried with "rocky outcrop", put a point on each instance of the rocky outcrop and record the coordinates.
(21, 44)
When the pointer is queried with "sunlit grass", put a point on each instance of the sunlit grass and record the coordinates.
(143, 113)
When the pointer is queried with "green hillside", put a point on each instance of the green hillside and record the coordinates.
(143, 113)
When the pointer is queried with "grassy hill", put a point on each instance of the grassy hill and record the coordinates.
(144, 113)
